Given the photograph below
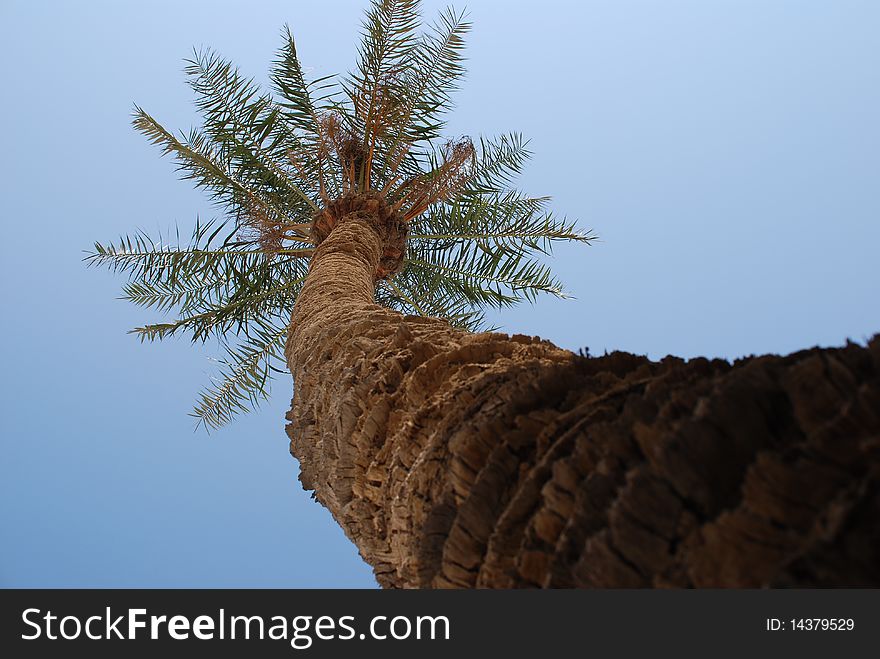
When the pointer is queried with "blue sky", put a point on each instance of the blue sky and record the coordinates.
(727, 153)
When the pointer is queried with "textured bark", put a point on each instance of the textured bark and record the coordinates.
(482, 460)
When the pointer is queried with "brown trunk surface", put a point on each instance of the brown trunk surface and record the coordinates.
(482, 460)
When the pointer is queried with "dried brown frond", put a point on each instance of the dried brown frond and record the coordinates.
(270, 232)
(395, 160)
(257, 225)
(383, 111)
(441, 183)
(339, 139)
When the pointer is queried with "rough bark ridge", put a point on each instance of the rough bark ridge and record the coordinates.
(462, 460)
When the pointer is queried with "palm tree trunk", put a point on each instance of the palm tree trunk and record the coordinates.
(481, 460)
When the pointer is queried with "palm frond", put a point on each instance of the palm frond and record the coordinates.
(406, 294)
(209, 167)
(248, 129)
(433, 75)
(245, 375)
(251, 300)
(302, 111)
(492, 277)
(510, 221)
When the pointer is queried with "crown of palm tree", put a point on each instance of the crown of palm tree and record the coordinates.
(276, 162)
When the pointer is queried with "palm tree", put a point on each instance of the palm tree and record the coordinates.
(458, 458)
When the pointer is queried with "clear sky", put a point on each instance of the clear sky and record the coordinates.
(727, 153)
